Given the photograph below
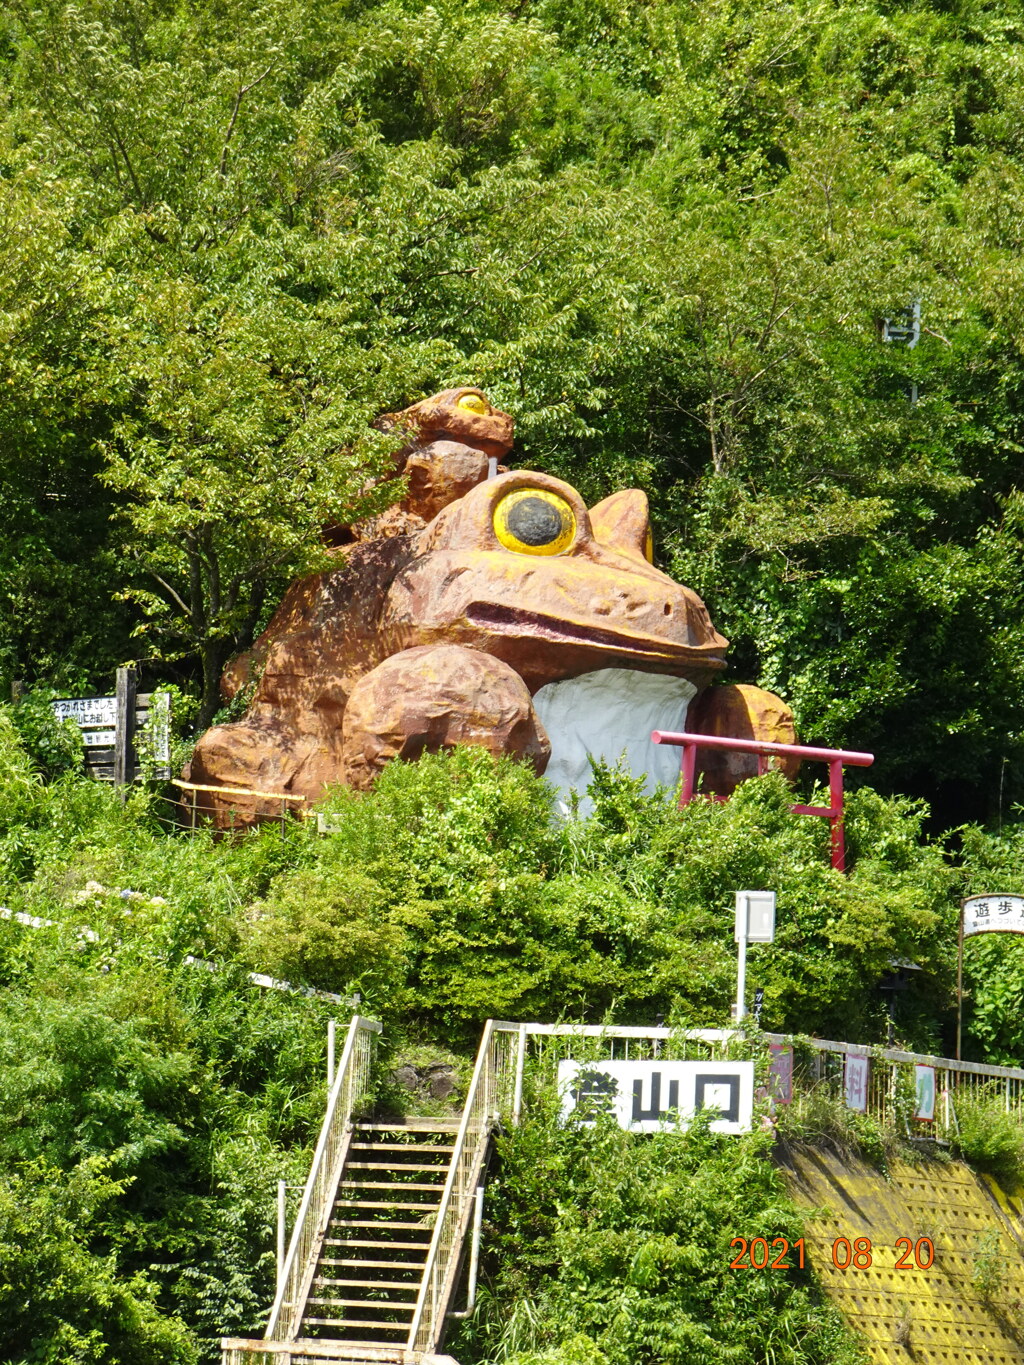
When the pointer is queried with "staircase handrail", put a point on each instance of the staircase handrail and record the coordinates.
(489, 1092)
(315, 1209)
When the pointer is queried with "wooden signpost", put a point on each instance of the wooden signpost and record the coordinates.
(109, 727)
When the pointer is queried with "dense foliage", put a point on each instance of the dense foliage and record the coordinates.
(662, 235)
(605, 1249)
(148, 1104)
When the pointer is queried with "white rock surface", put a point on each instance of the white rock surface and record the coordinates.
(610, 715)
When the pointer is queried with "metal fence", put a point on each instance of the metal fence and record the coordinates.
(491, 1094)
(819, 1069)
(891, 1093)
(350, 1084)
(193, 809)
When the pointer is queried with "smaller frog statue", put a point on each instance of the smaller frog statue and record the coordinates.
(491, 607)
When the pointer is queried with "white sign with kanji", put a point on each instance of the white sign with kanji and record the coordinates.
(993, 914)
(646, 1096)
(856, 1081)
(87, 710)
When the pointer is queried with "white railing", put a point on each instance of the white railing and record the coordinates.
(350, 1084)
(819, 1066)
(891, 1082)
(490, 1095)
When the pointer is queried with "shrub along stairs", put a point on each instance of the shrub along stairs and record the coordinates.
(375, 1254)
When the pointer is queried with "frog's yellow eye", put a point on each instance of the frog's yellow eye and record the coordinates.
(533, 521)
(472, 402)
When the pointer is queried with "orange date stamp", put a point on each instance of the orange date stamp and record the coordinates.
(758, 1253)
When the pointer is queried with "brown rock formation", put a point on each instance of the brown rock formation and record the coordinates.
(434, 697)
(739, 711)
(424, 639)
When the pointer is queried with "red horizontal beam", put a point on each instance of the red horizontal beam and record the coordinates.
(756, 746)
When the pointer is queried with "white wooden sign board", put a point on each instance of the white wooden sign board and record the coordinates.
(87, 710)
(993, 914)
(855, 1081)
(645, 1097)
(96, 717)
(97, 739)
(924, 1089)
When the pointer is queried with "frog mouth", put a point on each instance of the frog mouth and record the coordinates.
(516, 621)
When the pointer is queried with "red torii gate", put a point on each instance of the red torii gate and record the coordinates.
(835, 758)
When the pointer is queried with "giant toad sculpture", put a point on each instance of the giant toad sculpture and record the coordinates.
(491, 608)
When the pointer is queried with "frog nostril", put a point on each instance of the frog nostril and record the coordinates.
(668, 608)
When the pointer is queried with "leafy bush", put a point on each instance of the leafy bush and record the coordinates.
(146, 1115)
(62, 1303)
(605, 1248)
(990, 1138)
(480, 905)
(55, 746)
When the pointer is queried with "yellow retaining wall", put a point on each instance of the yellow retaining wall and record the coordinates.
(968, 1309)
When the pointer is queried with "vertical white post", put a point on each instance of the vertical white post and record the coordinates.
(741, 933)
(474, 1250)
(474, 1255)
(741, 979)
(517, 1099)
(282, 1196)
(755, 922)
(330, 1054)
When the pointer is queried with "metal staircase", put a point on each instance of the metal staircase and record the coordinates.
(370, 1270)
(374, 1258)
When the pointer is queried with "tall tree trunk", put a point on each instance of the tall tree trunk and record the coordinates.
(214, 655)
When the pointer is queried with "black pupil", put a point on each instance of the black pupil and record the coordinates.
(534, 521)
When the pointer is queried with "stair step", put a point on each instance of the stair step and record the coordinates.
(423, 1204)
(403, 1185)
(362, 1323)
(391, 1166)
(411, 1126)
(409, 1286)
(378, 1245)
(382, 1305)
(357, 1262)
(439, 1147)
(378, 1223)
